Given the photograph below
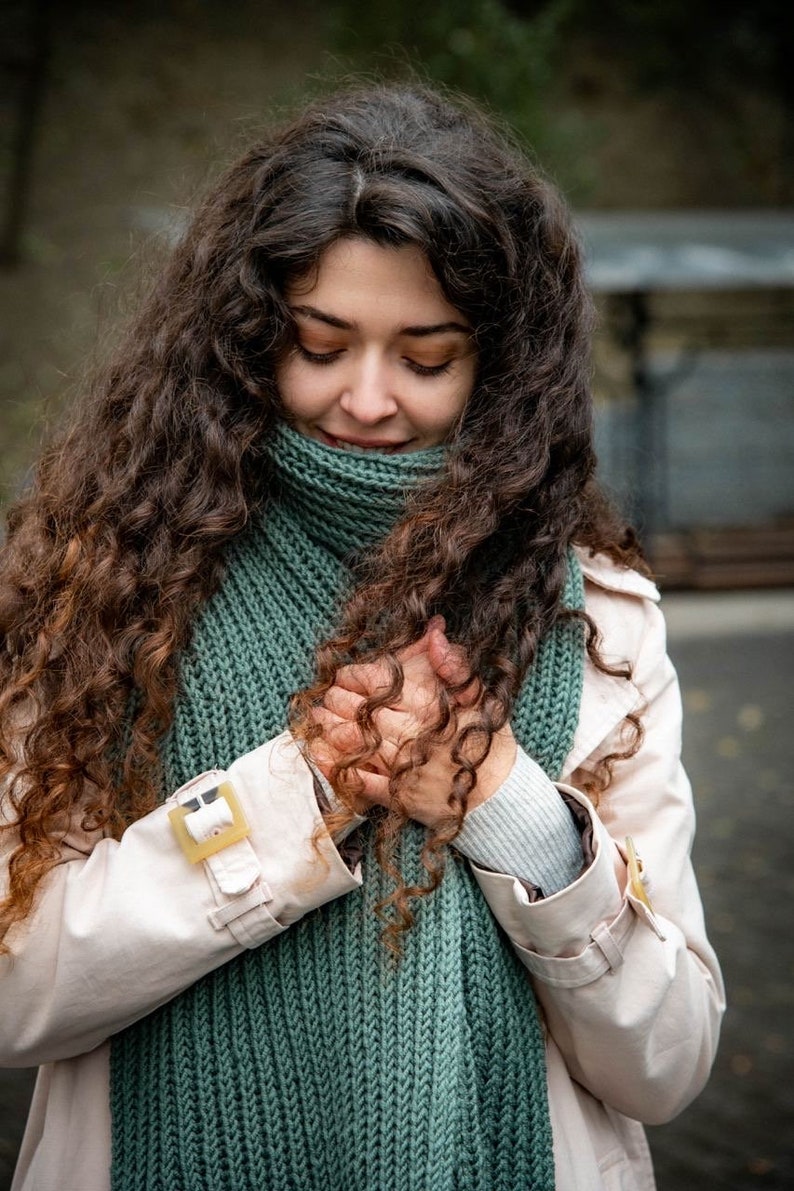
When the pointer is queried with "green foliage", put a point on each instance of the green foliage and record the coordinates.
(479, 47)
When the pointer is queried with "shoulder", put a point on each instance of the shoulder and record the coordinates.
(602, 573)
(624, 606)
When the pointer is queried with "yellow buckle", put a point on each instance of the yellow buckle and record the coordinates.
(635, 877)
(236, 831)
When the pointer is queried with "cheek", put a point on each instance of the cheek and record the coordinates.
(301, 395)
(435, 417)
(451, 405)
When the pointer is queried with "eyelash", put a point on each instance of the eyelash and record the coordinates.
(330, 357)
(316, 357)
(427, 370)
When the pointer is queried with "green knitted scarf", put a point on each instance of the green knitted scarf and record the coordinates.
(312, 1062)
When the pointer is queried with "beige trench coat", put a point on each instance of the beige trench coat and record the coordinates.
(632, 998)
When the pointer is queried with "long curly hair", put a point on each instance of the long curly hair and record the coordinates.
(122, 536)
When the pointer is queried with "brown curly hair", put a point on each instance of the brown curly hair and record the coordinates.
(121, 537)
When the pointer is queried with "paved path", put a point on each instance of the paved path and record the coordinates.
(739, 750)
(736, 659)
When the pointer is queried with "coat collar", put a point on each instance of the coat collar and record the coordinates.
(599, 569)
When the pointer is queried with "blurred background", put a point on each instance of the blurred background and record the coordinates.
(670, 128)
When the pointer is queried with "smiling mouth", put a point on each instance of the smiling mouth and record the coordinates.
(363, 446)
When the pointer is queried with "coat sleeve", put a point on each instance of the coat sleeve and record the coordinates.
(121, 927)
(632, 995)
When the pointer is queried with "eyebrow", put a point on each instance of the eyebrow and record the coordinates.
(415, 331)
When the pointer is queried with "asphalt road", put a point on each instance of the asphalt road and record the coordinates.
(739, 749)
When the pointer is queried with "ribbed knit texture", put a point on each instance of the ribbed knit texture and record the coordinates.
(310, 1062)
(525, 829)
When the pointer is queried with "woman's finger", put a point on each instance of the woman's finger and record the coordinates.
(374, 787)
(344, 733)
(339, 733)
(420, 646)
(451, 665)
(416, 698)
(344, 703)
(342, 736)
(365, 678)
(323, 757)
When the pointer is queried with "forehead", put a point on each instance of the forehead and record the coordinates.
(356, 276)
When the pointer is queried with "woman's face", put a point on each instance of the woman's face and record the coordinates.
(382, 361)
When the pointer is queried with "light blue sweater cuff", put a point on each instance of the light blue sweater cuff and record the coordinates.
(524, 830)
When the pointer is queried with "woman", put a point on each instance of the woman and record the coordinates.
(380, 936)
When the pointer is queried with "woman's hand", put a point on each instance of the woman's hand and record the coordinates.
(428, 665)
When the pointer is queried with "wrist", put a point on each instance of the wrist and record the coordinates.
(525, 830)
(496, 768)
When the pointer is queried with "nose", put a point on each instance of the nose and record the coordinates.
(368, 395)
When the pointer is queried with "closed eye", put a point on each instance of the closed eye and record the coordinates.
(318, 357)
(428, 369)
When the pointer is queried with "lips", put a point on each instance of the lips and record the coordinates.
(384, 446)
